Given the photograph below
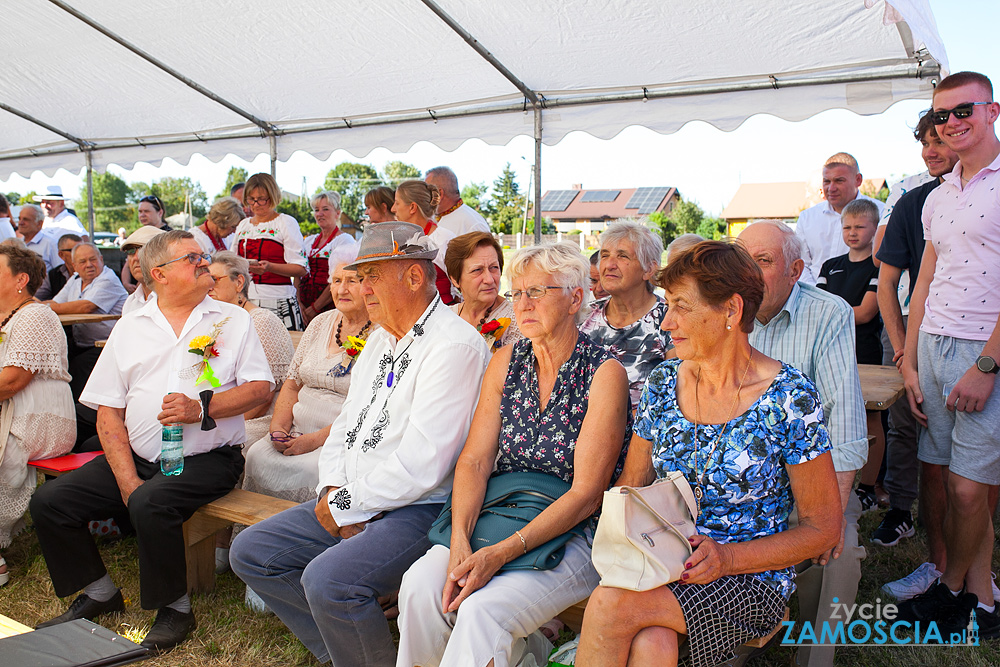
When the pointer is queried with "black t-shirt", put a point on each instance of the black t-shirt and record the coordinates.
(851, 281)
(903, 242)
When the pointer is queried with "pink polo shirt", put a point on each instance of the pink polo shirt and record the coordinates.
(964, 228)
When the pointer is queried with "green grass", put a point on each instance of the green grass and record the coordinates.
(229, 634)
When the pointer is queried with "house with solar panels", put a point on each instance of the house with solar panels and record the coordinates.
(591, 211)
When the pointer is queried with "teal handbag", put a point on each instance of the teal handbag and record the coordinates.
(512, 500)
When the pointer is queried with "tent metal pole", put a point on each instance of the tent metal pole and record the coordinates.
(90, 191)
(159, 64)
(272, 145)
(477, 46)
(538, 174)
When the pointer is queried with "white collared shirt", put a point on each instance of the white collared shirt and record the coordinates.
(463, 220)
(397, 446)
(822, 236)
(137, 300)
(6, 229)
(106, 292)
(45, 247)
(64, 223)
(143, 361)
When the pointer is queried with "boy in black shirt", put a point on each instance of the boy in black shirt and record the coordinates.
(854, 278)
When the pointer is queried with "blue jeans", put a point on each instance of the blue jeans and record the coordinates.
(325, 588)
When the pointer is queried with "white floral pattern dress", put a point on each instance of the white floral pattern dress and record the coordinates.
(321, 397)
(278, 349)
(43, 422)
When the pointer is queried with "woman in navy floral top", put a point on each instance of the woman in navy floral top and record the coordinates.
(554, 402)
(747, 432)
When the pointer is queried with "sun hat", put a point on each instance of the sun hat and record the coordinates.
(140, 237)
(383, 241)
(52, 192)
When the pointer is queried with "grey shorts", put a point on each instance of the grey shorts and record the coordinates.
(967, 442)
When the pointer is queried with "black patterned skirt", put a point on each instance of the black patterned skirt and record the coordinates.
(724, 614)
(287, 311)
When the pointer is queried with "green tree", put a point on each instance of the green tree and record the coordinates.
(13, 198)
(301, 211)
(29, 197)
(686, 218)
(113, 204)
(235, 175)
(474, 195)
(506, 205)
(396, 172)
(352, 181)
(711, 228)
(173, 192)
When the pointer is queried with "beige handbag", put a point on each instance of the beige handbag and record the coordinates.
(641, 541)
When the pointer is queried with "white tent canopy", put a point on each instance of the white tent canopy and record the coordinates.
(99, 82)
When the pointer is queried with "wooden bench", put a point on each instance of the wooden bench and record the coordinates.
(236, 507)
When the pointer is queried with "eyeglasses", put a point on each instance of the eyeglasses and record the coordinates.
(281, 436)
(258, 200)
(218, 278)
(533, 292)
(195, 258)
(131, 250)
(940, 116)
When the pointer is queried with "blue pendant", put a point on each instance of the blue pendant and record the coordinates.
(388, 381)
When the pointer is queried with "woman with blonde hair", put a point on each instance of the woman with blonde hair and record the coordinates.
(416, 202)
(272, 243)
(314, 287)
(215, 234)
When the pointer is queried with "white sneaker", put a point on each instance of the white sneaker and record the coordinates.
(912, 584)
(996, 591)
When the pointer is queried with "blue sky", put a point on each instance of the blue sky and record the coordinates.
(705, 164)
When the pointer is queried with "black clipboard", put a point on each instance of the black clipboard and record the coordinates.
(80, 643)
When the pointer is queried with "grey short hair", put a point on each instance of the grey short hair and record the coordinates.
(68, 237)
(562, 261)
(447, 176)
(36, 209)
(791, 244)
(329, 195)
(648, 246)
(682, 243)
(862, 208)
(235, 266)
(344, 254)
(78, 246)
(157, 251)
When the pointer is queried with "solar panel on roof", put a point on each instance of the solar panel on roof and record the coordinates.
(647, 199)
(600, 195)
(558, 200)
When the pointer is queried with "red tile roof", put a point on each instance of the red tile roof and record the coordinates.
(612, 210)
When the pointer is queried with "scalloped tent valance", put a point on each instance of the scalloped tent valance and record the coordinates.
(99, 82)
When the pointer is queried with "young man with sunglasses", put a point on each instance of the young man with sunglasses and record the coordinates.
(147, 378)
(952, 350)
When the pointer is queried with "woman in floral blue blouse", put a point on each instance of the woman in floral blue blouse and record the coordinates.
(747, 432)
(554, 402)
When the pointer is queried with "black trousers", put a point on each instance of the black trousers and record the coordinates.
(157, 510)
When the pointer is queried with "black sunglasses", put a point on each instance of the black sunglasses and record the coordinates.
(940, 117)
(154, 200)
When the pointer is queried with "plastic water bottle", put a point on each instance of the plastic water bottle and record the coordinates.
(172, 449)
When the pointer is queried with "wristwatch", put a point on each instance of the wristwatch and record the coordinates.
(987, 364)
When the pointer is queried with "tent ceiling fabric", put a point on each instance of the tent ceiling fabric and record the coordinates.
(312, 68)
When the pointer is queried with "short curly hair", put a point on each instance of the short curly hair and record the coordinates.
(22, 260)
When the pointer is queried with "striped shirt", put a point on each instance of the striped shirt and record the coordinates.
(814, 332)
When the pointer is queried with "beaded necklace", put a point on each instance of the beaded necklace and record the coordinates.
(7, 319)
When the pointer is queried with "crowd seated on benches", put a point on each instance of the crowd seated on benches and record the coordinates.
(384, 434)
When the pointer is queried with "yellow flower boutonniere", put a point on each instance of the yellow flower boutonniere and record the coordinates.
(206, 348)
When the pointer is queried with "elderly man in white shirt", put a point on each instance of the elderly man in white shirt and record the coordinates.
(145, 379)
(38, 241)
(58, 219)
(94, 288)
(385, 469)
(452, 213)
(819, 226)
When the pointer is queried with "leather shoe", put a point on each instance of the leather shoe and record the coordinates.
(87, 607)
(170, 628)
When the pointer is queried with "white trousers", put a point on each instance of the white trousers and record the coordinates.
(492, 623)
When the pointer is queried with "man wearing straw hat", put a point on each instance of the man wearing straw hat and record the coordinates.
(58, 219)
(386, 467)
